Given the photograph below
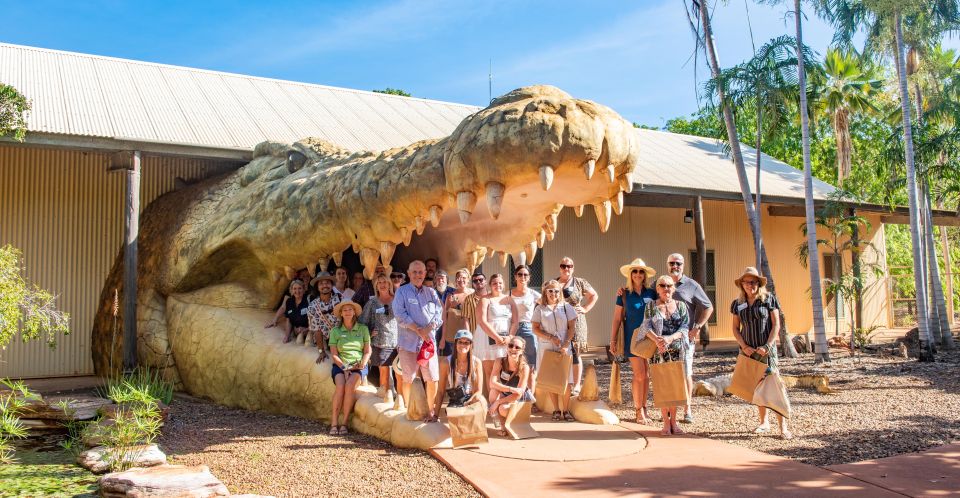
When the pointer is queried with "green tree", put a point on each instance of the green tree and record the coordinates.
(25, 308)
(13, 113)
(393, 91)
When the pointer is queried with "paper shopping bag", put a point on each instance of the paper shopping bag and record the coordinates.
(669, 384)
(554, 372)
(772, 394)
(467, 424)
(747, 374)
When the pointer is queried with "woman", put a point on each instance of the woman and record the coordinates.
(553, 323)
(340, 283)
(378, 317)
(756, 323)
(666, 322)
(453, 322)
(350, 351)
(508, 382)
(462, 369)
(496, 321)
(580, 294)
(397, 279)
(294, 308)
(525, 299)
(629, 313)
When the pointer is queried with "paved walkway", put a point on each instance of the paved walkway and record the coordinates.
(578, 459)
(935, 472)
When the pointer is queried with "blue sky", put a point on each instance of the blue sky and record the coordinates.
(631, 56)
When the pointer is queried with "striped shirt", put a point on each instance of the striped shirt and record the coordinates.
(755, 320)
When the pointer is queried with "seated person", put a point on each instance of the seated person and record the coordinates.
(350, 351)
(508, 382)
(465, 371)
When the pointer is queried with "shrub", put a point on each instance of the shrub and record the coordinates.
(11, 404)
(143, 386)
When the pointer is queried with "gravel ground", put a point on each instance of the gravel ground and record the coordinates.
(883, 406)
(254, 452)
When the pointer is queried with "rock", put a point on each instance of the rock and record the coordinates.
(714, 386)
(99, 459)
(111, 410)
(163, 481)
(41, 424)
(94, 433)
(801, 344)
(78, 408)
(589, 390)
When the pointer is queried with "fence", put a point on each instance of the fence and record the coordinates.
(903, 303)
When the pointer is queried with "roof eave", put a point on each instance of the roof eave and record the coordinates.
(114, 144)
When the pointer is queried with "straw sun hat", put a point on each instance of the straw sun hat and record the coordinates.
(751, 271)
(338, 309)
(637, 263)
(321, 276)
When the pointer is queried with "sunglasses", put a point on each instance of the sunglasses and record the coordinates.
(523, 274)
(514, 346)
(636, 271)
(553, 291)
(566, 267)
(665, 286)
(675, 263)
(478, 280)
(751, 282)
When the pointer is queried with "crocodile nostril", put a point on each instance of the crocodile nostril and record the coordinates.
(295, 161)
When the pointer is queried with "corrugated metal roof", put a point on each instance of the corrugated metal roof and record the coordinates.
(93, 96)
(698, 163)
(88, 95)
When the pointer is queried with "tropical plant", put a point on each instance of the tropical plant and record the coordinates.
(393, 91)
(142, 386)
(12, 402)
(13, 113)
(25, 308)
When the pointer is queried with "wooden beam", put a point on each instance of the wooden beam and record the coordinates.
(131, 233)
(902, 219)
(701, 241)
(657, 200)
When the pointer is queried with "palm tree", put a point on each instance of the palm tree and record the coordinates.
(846, 87)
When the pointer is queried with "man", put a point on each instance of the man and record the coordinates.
(432, 265)
(419, 314)
(363, 294)
(320, 312)
(699, 308)
(471, 303)
(443, 290)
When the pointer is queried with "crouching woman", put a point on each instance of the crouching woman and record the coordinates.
(350, 351)
(463, 384)
(508, 382)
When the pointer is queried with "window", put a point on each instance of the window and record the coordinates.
(536, 273)
(832, 267)
(710, 286)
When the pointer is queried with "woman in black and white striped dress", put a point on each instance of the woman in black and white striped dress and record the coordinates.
(756, 323)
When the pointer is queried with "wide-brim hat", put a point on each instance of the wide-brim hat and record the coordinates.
(338, 309)
(321, 276)
(637, 263)
(752, 272)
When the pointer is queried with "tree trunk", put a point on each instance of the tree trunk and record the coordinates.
(701, 276)
(926, 345)
(857, 273)
(758, 241)
(841, 129)
(941, 323)
(813, 260)
(131, 234)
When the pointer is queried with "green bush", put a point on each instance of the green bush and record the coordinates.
(11, 404)
(143, 386)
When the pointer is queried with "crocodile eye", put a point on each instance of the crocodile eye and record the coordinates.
(295, 161)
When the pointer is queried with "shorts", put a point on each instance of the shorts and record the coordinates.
(525, 332)
(382, 357)
(409, 366)
(336, 370)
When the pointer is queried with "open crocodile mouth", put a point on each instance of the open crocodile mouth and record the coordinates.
(215, 256)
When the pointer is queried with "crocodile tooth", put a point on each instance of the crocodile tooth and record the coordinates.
(311, 269)
(602, 211)
(386, 251)
(466, 201)
(435, 212)
(406, 235)
(421, 224)
(495, 198)
(617, 200)
(611, 173)
(541, 237)
(289, 272)
(546, 176)
(337, 259)
(578, 210)
(589, 167)
(275, 276)
(369, 258)
(552, 221)
(530, 251)
(551, 234)
(625, 184)
(520, 258)
(503, 258)
(355, 245)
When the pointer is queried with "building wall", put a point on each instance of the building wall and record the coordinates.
(654, 233)
(64, 211)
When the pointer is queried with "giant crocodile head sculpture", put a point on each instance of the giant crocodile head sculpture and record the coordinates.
(215, 256)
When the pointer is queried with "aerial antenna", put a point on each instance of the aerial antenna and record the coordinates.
(490, 83)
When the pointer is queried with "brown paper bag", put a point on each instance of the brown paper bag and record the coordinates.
(642, 346)
(746, 376)
(615, 394)
(772, 394)
(467, 424)
(554, 372)
(669, 384)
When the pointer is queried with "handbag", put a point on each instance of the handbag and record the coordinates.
(642, 346)
(554, 372)
(747, 375)
(427, 351)
(457, 396)
(772, 394)
(669, 384)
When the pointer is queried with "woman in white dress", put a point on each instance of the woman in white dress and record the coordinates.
(526, 300)
(553, 323)
(496, 323)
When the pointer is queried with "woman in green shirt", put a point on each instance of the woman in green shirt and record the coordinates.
(350, 351)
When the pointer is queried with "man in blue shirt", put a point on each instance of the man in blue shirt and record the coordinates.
(419, 314)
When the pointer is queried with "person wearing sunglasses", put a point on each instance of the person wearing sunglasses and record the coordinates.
(553, 322)
(463, 373)
(497, 323)
(397, 279)
(691, 293)
(455, 321)
(756, 323)
(581, 295)
(665, 322)
(628, 312)
(378, 317)
(508, 382)
(526, 299)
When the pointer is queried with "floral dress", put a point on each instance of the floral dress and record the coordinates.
(661, 325)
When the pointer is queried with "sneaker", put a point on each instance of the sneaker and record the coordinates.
(687, 419)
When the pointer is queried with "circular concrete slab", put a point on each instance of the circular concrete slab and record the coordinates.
(566, 442)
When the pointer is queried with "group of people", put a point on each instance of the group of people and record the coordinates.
(479, 341)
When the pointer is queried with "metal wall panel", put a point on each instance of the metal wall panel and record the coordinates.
(64, 211)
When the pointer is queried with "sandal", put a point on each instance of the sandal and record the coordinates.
(642, 417)
(665, 431)
(786, 434)
(557, 415)
(762, 429)
(334, 431)
(575, 392)
(343, 430)
(677, 430)
(568, 417)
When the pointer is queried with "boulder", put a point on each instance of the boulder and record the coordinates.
(110, 411)
(163, 481)
(99, 459)
(82, 407)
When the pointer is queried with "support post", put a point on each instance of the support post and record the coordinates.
(701, 276)
(131, 233)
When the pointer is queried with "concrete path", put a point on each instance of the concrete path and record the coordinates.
(578, 459)
(934, 472)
